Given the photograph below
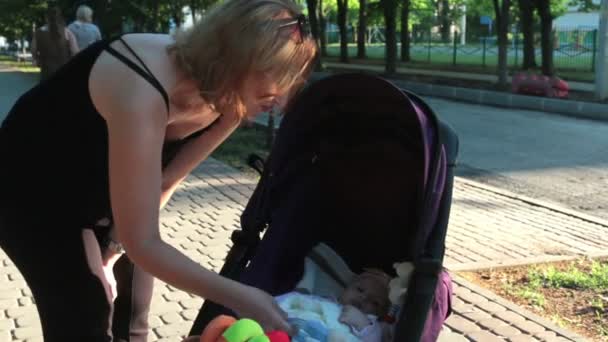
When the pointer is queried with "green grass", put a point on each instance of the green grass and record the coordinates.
(582, 275)
(237, 148)
(21, 66)
(573, 278)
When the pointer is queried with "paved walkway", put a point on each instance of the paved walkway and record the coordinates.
(12, 84)
(488, 227)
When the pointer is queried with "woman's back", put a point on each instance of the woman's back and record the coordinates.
(51, 52)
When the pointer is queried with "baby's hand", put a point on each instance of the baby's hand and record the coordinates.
(354, 317)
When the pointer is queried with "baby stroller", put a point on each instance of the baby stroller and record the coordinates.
(367, 169)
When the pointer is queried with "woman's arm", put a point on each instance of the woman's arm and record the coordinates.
(192, 154)
(136, 119)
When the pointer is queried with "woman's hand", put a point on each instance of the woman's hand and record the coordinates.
(253, 303)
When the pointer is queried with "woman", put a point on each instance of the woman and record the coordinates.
(53, 44)
(99, 128)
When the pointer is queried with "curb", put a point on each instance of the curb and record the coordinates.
(491, 296)
(535, 202)
(578, 109)
(480, 266)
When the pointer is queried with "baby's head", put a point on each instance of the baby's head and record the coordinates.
(368, 292)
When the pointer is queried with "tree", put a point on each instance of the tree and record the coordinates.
(443, 9)
(322, 28)
(601, 73)
(546, 32)
(311, 5)
(362, 29)
(501, 10)
(526, 13)
(585, 5)
(390, 20)
(342, 17)
(405, 30)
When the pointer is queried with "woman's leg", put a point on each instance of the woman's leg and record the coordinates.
(132, 305)
(70, 295)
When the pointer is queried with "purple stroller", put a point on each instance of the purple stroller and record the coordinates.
(367, 169)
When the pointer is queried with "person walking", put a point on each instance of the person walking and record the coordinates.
(84, 30)
(53, 44)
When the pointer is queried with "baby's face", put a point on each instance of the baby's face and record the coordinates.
(367, 295)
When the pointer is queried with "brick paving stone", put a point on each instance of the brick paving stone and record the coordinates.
(26, 321)
(546, 336)
(451, 337)
(173, 330)
(176, 296)
(529, 327)
(27, 332)
(473, 298)
(491, 324)
(461, 324)
(34, 339)
(484, 336)
(21, 311)
(171, 317)
(155, 321)
(7, 324)
(9, 303)
(523, 338)
(191, 303)
(490, 306)
(10, 294)
(25, 301)
(476, 315)
(560, 339)
(190, 314)
(507, 331)
(510, 316)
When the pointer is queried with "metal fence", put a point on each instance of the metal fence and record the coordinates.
(574, 49)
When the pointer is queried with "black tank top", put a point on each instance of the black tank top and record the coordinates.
(54, 145)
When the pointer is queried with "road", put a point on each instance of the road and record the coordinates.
(544, 156)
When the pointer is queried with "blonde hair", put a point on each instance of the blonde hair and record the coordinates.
(236, 39)
(84, 13)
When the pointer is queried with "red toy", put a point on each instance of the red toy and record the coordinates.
(228, 329)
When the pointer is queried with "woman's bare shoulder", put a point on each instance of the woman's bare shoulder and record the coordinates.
(115, 86)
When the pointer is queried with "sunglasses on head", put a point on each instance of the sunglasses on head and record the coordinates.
(299, 26)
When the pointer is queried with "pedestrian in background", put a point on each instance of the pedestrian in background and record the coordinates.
(53, 44)
(84, 30)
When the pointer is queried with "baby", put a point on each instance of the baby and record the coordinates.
(356, 315)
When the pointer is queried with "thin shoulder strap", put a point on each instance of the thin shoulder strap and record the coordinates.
(145, 72)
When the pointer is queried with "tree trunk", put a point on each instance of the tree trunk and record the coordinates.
(444, 19)
(405, 31)
(152, 23)
(546, 32)
(193, 9)
(312, 18)
(390, 20)
(502, 23)
(362, 29)
(322, 29)
(526, 12)
(314, 27)
(342, 12)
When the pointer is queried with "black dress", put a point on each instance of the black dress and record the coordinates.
(53, 183)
